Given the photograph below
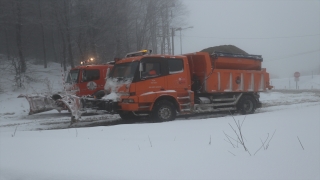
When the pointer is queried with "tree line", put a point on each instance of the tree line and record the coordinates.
(70, 31)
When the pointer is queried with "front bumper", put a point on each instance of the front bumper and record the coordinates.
(129, 106)
(99, 104)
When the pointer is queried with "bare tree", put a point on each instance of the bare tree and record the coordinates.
(70, 31)
(66, 14)
(18, 25)
(42, 33)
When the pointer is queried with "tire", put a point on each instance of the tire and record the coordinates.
(247, 105)
(163, 110)
(128, 116)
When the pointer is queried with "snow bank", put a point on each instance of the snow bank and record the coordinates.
(183, 149)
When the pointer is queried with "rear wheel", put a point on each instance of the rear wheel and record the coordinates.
(247, 105)
(163, 110)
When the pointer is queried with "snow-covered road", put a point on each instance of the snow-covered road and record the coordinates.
(10, 120)
(281, 139)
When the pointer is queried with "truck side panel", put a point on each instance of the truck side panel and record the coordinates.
(223, 80)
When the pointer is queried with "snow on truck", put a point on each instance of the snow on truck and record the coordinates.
(161, 87)
(83, 80)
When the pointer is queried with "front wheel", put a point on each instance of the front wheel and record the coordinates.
(163, 110)
(247, 105)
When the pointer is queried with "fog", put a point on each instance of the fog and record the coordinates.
(285, 33)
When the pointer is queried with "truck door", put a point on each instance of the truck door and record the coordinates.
(152, 77)
(177, 78)
(90, 81)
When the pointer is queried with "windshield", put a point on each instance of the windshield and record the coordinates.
(124, 70)
(73, 76)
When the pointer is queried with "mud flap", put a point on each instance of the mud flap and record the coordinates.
(40, 103)
(74, 105)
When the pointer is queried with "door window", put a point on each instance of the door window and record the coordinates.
(90, 75)
(175, 66)
(73, 76)
(151, 69)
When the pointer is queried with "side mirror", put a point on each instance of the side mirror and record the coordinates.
(84, 76)
(107, 73)
(141, 70)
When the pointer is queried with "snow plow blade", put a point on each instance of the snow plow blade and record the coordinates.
(72, 103)
(42, 103)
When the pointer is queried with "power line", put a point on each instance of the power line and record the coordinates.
(248, 0)
(294, 55)
(279, 37)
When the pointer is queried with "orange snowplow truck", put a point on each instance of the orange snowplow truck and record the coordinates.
(164, 86)
(83, 80)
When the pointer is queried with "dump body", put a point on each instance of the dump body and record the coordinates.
(227, 73)
(220, 60)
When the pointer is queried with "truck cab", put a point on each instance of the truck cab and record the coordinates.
(87, 79)
(137, 83)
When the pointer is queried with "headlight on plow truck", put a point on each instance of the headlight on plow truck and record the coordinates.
(127, 100)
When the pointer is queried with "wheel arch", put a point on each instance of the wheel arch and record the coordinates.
(251, 94)
(168, 98)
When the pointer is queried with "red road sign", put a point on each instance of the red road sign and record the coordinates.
(296, 74)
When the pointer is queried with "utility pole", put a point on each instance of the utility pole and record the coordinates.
(180, 42)
(180, 29)
(166, 11)
(172, 37)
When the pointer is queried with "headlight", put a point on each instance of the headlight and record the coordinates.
(127, 101)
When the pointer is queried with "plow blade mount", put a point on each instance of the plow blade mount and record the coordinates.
(73, 104)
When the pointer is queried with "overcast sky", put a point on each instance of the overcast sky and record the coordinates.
(285, 32)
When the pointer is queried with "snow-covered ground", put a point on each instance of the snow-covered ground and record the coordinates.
(304, 82)
(282, 139)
